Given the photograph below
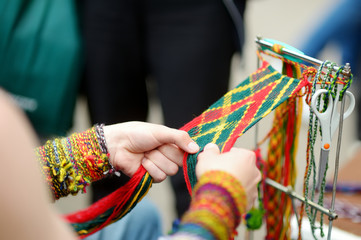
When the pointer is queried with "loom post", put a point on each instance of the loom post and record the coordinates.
(337, 160)
(249, 233)
(256, 127)
(294, 207)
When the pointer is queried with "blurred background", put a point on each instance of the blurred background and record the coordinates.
(289, 21)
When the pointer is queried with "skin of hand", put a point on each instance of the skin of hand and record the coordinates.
(25, 212)
(158, 148)
(241, 163)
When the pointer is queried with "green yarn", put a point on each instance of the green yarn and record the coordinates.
(254, 218)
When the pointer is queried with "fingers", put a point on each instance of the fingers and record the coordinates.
(212, 148)
(179, 138)
(172, 153)
(241, 163)
(128, 143)
(154, 171)
(167, 158)
(163, 162)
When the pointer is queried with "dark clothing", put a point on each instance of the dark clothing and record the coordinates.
(184, 47)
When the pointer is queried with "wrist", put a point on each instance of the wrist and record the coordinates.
(100, 133)
(217, 205)
(99, 130)
(70, 164)
(228, 182)
(104, 138)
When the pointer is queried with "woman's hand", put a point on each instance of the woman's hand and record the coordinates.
(158, 148)
(241, 163)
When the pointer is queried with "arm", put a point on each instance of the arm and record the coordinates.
(70, 164)
(219, 198)
(25, 212)
(217, 205)
(24, 209)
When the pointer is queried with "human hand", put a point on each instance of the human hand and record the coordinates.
(241, 163)
(158, 148)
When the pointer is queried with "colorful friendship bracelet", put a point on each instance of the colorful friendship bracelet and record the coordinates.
(216, 208)
(103, 146)
(70, 164)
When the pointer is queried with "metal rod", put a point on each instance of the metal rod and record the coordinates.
(256, 127)
(291, 53)
(295, 209)
(337, 164)
(289, 191)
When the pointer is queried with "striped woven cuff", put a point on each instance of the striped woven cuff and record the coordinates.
(217, 205)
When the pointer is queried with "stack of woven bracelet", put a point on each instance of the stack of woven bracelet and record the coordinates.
(219, 193)
(70, 164)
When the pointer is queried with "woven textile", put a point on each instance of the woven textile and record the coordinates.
(237, 111)
(222, 123)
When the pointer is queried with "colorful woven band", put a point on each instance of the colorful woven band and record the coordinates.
(217, 204)
(70, 164)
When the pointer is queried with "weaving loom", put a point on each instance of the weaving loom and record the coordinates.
(264, 91)
(331, 80)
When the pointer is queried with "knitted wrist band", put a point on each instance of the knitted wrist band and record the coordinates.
(70, 164)
(228, 182)
(217, 204)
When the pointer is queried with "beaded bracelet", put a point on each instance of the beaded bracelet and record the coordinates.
(101, 138)
(103, 146)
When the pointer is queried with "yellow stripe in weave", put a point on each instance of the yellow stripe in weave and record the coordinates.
(296, 138)
(240, 89)
(223, 120)
(256, 111)
(226, 110)
(228, 105)
(252, 84)
(215, 129)
(258, 71)
(279, 96)
(200, 126)
(220, 127)
(234, 128)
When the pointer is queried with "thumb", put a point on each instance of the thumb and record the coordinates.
(180, 138)
(212, 148)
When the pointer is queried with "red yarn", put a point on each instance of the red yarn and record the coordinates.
(116, 199)
(185, 173)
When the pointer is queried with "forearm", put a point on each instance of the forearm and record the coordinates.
(215, 212)
(70, 164)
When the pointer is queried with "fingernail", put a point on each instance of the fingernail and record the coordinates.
(210, 145)
(193, 147)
